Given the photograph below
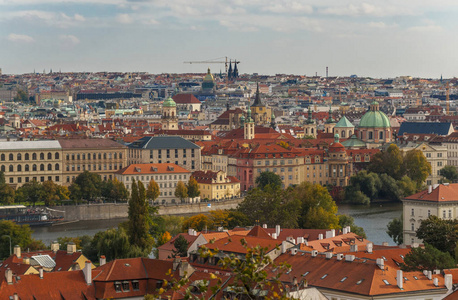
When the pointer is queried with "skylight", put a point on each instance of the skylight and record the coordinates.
(305, 274)
(386, 282)
(324, 276)
(343, 279)
(359, 281)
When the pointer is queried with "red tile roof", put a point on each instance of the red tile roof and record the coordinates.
(141, 169)
(442, 193)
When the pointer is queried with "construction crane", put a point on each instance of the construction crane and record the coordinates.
(215, 61)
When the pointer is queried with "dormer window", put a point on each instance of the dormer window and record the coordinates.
(117, 286)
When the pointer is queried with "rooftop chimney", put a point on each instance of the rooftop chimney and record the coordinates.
(369, 247)
(349, 257)
(354, 248)
(40, 272)
(348, 229)
(436, 281)
(88, 272)
(448, 281)
(430, 189)
(435, 186)
(385, 244)
(54, 246)
(329, 255)
(293, 251)
(429, 275)
(320, 236)
(190, 231)
(415, 245)
(300, 239)
(339, 256)
(15, 297)
(400, 279)
(277, 230)
(333, 233)
(71, 248)
(283, 246)
(274, 236)
(264, 226)
(17, 251)
(26, 260)
(344, 230)
(314, 253)
(380, 263)
(102, 260)
(9, 276)
(176, 263)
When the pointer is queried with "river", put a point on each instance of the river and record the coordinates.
(373, 219)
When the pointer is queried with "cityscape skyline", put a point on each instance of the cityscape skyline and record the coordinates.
(268, 37)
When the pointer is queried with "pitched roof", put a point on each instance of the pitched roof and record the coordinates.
(164, 168)
(163, 142)
(259, 232)
(344, 123)
(185, 99)
(441, 193)
(89, 143)
(170, 244)
(233, 244)
(425, 127)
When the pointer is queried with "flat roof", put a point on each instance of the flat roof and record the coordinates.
(29, 145)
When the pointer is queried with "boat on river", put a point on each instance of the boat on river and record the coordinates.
(33, 216)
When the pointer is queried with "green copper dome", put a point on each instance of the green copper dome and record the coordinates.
(374, 118)
(169, 103)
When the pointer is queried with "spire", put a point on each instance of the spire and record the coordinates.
(257, 99)
(330, 119)
(229, 72)
(236, 72)
(309, 117)
(272, 121)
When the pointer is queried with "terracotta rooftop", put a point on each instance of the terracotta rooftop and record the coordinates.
(439, 193)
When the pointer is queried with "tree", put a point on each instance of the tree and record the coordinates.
(219, 218)
(272, 206)
(181, 247)
(368, 183)
(20, 235)
(450, 173)
(7, 194)
(139, 219)
(390, 189)
(346, 220)
(114, 190)
(87, 186)
(21, 96)
(198, 222)
(441, 234)
(237, 219)
(407, 186)
(152, 191)
(388, 162)
(428, 258)
(395, 230)
(416, 166)
(2, 177)
(193, 188)
(65, 240)
(268, 178)
(32, 192)
(318, 208)
(54, 193)
(181, 191)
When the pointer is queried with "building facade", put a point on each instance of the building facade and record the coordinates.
(216, 185)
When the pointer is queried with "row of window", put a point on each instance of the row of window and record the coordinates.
(428, 155)
(168, 152)
(124, 286)
(94, 156)
(35, 178)
(94, 167)
(28, 168)
(275, 162)
(27, 156)
(158, 177)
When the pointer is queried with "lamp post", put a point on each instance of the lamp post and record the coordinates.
(10, 241)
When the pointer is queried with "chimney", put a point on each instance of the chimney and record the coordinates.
(400, 278)
(415, 245)
(354, 248)
(75, 266)
(274, 236)
(176, 263)
(314, 253)
(102, 260)
(448, 282)
(183, 268)
(9, 276)
(380, 263)
(435, 186)
(320, 236)
(283, 246)
(348, 229)
(429, 275)
(15, 297)
(344, 230)
(349, 257)
(369, 247)
(88, 272)
(436, 281)
(328, 234)
(190, 231)
(277, 230)
(264, 226)
(17, 251)
(54, 246)
(26, 260)
(294, 251)
(300, 239)
(40, 272)
(430, 189)
(71, 248)
(329, 255)
(333, 233)
(339, 256)
(385, 244)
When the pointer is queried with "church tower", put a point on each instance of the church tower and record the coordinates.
(262, 115)
(310, 126)
(248, 127)
(169, 115)
(330, 123)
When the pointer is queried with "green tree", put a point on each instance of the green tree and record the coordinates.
(428, 258)
(2, 177)
(198, 222)
(368, 183)
(152, 191)
(268, 178)
(31, 192)
(54, 193)
(139, 218)
(20, 235)
(87, 186)
(193, 188)
(237, 219)
(395, 230)
(181, 247)
(271, 206)
(407, 186)
(346, 220)
(318, 208)
(388, 162)
(65, 240)
(181, 191)
(21, 96)
(390, 189)
(441, 234)
(114, 190)
(7, 194)
(416, 166)
(450, 173)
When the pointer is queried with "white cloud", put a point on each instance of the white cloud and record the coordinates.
(69, 40)
(288, 6)
(124, 19)
(21, 38)
(60, 19)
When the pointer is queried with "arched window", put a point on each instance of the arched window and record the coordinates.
(34, 156)
(19, 156)
(380, 135)
(49, 167)
(11, 156)
(342, 134)
(2, 168)
(42, 156)
(120, 154)
(104, 156)
(56, 167)
(42, 167)
(26, 168)
(56, 155)
(371, 135)
(361, 133)
(100, 155)
(19, 168)
(115, 155)
(49, 155)
(26, 156)
(3, 157)
(94, 156)
(10, 168)
(34, 167)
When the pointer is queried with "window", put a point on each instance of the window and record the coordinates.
(49, 167)
(26, 168)
(19, 168)
(42, 156)
(429, 213)
(11, 157)
(370, 135)
(443, 214)
(42, 167)
(135, 285)
(439, 164)
(125, 286)
(2, 157)
(413, 214)
(380, 135)
(117, 286)
(26, 156)
(34, 167)
(449, 214)
(56, 167)
(412, 227)
(56, 155)
(34, 156)
(49, 155)
(19, 156)
(11, 168)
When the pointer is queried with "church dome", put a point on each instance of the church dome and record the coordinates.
(209, 77)
(374, 118)
(336, 146)
(169, 103)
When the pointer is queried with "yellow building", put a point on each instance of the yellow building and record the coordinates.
(216, 185)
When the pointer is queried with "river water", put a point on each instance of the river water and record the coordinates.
(373, 219)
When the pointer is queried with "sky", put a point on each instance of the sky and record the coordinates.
(380, 38)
